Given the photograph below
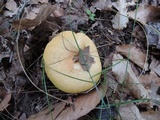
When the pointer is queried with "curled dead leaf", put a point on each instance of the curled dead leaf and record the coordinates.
(135, 55)
(124, 74)
(145, 13)
(83, 105)
(44, 12)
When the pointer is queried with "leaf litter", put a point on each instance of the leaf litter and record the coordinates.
(153, 34)
(130, 112)
(5, 97)
(45, 11)
(41, 19)
(134, 54)
(127, 77)
(145, 13)
(83, 104)
(120, 20)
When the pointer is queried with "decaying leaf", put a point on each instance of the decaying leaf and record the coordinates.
(121, 5)
(152, 3)
(138, 32)
(155, 66)
(148, 79)
(1, 3)
(102, 4)
(31, 12)
(4, 27)
(120, 20)
(153, 33)
(151, 115)
(49, 113)
(83, 104)
(124, 74)
(129, 112)
(11, 5)
(39, 1)
(154, 96)
(145, 13)
(74, 20)
(22, 117)
(2, 75)
(108, 60)
(4, 99)
(45, 11)
(84, 58)
(59, 12)
(135, 55)
(73, 15)
(151, 82)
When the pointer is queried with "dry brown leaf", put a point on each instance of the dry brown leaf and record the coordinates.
(46, 115)
(129, 112)
(31, 12)
(124, 74)
(147, 79)
(59, 12)
(1, 3)
(102, 4)
(120, 20)
(22, 117)
(145, 13)
(151, 115)
(11, 5)
(155, 66)
(151, 82)
(135, 55)
(39, 1)
(4, 27)
(138, 32)
(5, 98)
(12, 8)
(45, 11)
(152, 34)
(108, 60)
(83, 104)
(84, 58)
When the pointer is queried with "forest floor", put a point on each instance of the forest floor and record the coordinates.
(126, 34)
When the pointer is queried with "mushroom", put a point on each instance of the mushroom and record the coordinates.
(72, 62)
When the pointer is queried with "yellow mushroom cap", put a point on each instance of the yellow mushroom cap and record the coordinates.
(66, 74)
